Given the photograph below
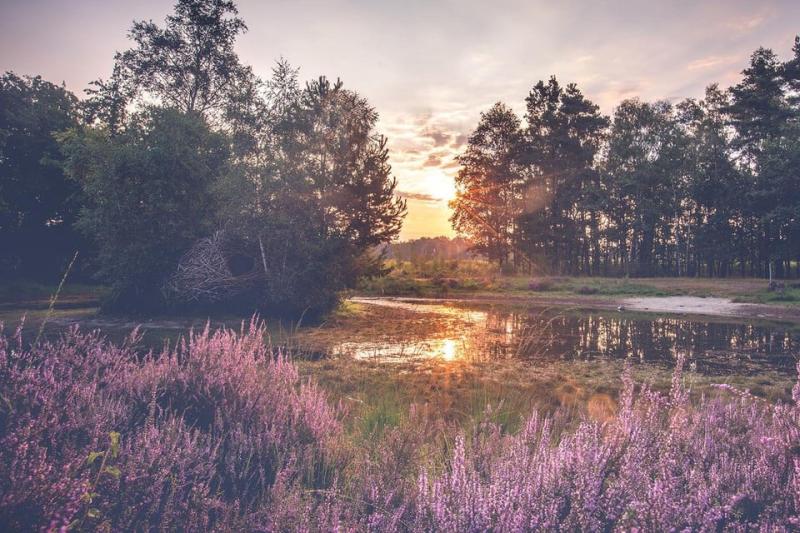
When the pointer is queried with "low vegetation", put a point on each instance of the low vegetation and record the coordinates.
(221, 433)
(478, 278)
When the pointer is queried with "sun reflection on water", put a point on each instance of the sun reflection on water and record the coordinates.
(454, 331)
(449, 349)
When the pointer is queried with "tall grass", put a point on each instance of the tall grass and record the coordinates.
(220, 433)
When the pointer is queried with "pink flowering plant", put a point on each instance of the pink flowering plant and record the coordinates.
(221, 433)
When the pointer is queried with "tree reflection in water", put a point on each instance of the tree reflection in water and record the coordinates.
(483, 332)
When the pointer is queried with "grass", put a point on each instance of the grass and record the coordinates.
(379, 395)
(35, 293)
(477, 279)
(789, 296)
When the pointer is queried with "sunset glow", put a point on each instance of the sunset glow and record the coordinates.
(431, 68)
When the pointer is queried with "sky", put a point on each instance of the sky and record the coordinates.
(430, 67)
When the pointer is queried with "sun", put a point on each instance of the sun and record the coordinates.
(440, 184)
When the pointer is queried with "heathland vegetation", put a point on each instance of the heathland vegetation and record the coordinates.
(220, 433)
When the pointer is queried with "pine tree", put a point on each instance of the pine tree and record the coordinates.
(489, 197)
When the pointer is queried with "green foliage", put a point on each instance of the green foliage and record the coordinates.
(149, 196)
(432, 277)
(189, 64)
(318, 198)
(278, 213)
(563, 194)
(490, 183)
(38, 204)
(645, 165)
(705, 187)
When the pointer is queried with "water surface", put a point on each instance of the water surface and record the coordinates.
(452, 330)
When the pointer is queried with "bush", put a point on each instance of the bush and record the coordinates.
(583, 289)
(221, 434)
(204, 431)
(540, 285)
(148, 197)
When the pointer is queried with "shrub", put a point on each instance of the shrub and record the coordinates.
(584, 289)
(540, 285)
(204, 430)
(148, 197)
(728, 463)
(220, 433)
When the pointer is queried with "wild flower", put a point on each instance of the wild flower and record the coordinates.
(221, 433)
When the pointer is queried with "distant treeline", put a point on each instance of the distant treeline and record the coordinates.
(430, 248)
(705, 187)
(185, 180)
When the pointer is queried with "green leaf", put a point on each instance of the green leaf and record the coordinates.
(113, 470)
(89, 496)
(93, 456)
(114, 443)
(93, 513)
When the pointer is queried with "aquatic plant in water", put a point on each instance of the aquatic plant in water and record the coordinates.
(221, 433)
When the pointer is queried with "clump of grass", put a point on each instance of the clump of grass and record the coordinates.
(540, 285)
(788, 295)
(585, 289)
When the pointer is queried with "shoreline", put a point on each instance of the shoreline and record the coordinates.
(671, 305)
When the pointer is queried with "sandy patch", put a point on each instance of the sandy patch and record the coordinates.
(690, 305)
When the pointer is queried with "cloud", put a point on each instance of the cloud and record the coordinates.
(433, 160)
(439, 137)
(459, 140)
(420, 196)
(436, 157)
(746, 24)
(712, 61)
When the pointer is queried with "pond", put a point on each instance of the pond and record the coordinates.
(456, 353)
(452, 330)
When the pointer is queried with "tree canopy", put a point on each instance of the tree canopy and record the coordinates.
(38, 204)
(701, 187)
(149, 197)
(205, 185)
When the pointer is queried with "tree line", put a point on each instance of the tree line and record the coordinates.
(429, 248)
(703, 187)
(188, 181)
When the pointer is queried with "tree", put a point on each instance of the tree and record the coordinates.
(489, 184)
(38, 204)
(646, 168)
(766, 133)
(565, 131)
(190, 64)
(149, 197)
(713, 226)
(320, 198)
(758, 107)
(107, 101)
